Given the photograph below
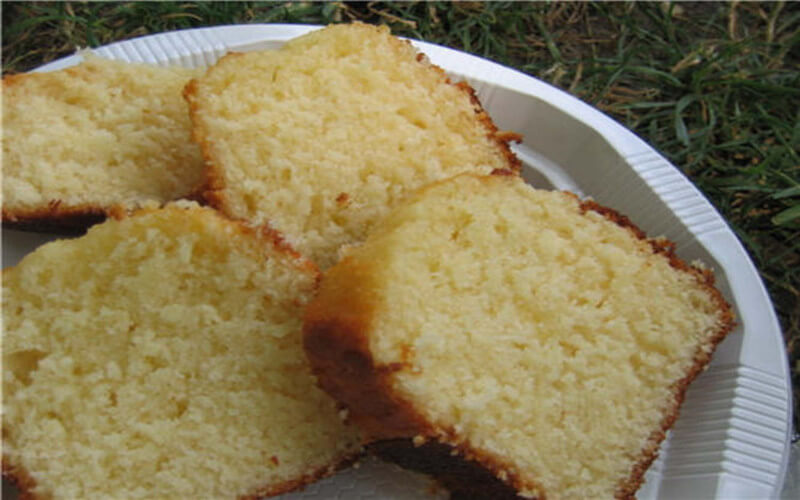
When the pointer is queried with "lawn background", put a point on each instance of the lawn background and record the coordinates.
(714, 87)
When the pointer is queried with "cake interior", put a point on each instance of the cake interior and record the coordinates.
(160, 356)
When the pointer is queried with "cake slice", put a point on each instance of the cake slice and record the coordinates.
(160, 356)
(79, 141)
(321, 137)
(538, 336)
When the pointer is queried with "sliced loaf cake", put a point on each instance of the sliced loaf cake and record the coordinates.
(321, 137)
(160, 356)
(540, 337)
(104, 133)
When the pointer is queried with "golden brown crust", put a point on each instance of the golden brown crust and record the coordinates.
(337, 346)
(501, 139)
(213, 188)
(500, 172)
(9, 80)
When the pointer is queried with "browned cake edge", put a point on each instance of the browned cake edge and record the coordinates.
(22, 480)
(705, 278)
(213, 190)
(62, 218)
(54, 217)
(501, 138)
(463, 479)
(336, 331)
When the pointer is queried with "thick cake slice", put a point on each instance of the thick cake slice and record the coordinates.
(542, 337)
(322, 136)
(160, 356)
(79, 141)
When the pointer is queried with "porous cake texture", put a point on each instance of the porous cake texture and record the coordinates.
(160, 356)
(540, 336)
(79, 141)
(321, 137)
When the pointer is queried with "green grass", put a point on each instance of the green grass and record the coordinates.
(715, 87)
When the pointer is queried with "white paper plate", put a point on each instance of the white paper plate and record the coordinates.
(732, 438)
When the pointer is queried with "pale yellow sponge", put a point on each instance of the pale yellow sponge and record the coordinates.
(160, 356)
(544, 338)
(321, 137)
(79, 141)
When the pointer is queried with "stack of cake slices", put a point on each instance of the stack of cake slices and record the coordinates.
(315, 252)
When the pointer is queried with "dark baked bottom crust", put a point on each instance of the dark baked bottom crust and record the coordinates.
(337, 346)
(302, 482)
(19, 479)
(54, 218)
(465, 480)
(59, 218)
